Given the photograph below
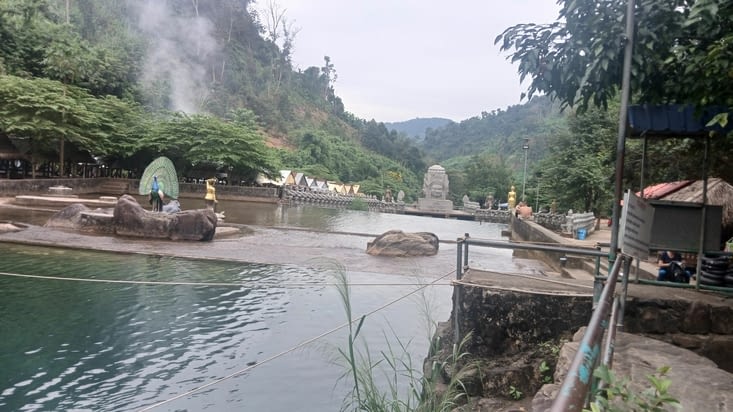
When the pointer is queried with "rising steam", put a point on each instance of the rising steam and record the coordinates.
(180, 49)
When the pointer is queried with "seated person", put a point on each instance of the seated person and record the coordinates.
(667, 259)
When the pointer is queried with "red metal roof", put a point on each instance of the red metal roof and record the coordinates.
(663, 189)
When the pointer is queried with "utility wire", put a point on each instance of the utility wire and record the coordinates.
(298, 346)
(220, 284)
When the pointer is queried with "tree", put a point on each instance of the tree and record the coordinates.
(203, 141)
(682, 53)
(486, 174)
(579, 169)
(42, 111)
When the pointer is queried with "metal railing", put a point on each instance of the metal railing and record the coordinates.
(608, 309)
(578, 385)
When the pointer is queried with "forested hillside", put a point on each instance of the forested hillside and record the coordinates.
(211, 85)
(501, 132)
(415, 128)
(208, 83)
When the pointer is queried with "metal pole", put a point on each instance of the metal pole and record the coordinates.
(524, 176)
(578, 380)
(622, 118)
(703, 217)
(465, 252)
(641, 183)
(457, 292)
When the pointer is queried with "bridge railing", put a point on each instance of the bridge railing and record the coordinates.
(608, 309)
(577, 221)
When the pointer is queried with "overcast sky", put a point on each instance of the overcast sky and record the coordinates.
(401, 59)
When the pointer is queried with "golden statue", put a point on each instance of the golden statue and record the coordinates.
(210, 197)
(512, 198)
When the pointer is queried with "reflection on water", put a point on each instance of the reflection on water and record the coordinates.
(335, 220)
(123, 346)
(117, 346)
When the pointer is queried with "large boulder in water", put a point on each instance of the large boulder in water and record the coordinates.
(131, 219)
(199, 224)
(399, 243)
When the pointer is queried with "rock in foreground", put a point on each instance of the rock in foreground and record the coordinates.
(398, 243)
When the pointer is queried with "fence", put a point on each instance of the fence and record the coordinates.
(577, 221)
(552, 221)
(336, 200)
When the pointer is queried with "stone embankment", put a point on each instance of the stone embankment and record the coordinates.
(522, 328)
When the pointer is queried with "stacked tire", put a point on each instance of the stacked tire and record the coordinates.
(716, 271)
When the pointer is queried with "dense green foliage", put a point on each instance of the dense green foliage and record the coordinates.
(325, 156)
(682, 52)
(114, 79)
(203, 142)
(578, 170)
(109, 77)
(501, 131)
(43, 112)
(485, 155)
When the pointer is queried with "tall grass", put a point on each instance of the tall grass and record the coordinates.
(388, 380)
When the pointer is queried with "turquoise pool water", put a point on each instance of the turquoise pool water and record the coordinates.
(105, 346)
(155, 328)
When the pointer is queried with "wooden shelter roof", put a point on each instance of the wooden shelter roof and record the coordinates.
(720, 193)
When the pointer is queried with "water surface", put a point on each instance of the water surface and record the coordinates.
(106, 346)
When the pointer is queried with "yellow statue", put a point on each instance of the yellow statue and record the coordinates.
(512, 198)
(211, 194)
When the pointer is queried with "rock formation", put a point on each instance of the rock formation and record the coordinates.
(128, 218)
(399, 243)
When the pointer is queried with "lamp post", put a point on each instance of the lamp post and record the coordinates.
(524, 176)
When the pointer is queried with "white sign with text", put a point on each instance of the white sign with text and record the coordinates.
(635, 226)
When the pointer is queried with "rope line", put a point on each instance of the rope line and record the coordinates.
(298, 346)
(221, 284)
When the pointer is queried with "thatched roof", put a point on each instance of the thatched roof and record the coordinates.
(720, 193)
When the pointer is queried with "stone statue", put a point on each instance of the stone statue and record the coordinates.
(388, 195)
(435, 188)
(210, 197)
(512, 198)
(400, 196)
(553, 206)
(172, 207)
(489, 203)
(435, 183)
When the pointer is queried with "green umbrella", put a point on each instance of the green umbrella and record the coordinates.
(163, 168)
